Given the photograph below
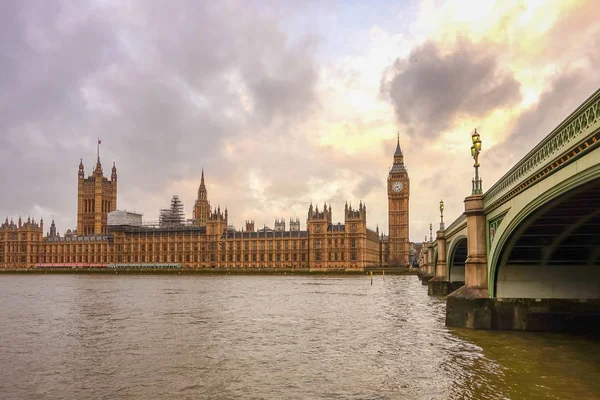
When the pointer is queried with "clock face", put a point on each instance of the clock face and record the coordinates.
(397, 186)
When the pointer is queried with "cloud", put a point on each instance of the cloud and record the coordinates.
(366, 185)
(565, 92)
(167, 88)
(432, 89)
(278, 113)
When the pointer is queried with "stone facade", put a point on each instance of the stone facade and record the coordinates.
(96, 197)
(205, 242)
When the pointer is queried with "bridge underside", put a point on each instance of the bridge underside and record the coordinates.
(457, 262)
(548, 277)
(556, 255)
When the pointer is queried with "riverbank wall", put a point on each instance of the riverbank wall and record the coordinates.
(199, 271)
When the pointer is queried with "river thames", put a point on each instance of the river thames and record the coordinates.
(267, 337)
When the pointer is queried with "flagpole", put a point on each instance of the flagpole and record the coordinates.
(98, 153)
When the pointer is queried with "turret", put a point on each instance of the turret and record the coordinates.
(113, 176)
(81, 173)
(52, 229)
(98, 169)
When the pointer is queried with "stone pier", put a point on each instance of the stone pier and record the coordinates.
(470, 306)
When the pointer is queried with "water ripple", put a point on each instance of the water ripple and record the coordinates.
(266, 337)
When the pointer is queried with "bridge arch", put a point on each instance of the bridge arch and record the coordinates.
(551, 247)
(457, 256)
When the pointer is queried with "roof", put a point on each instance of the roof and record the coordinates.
(398, 152)
(398, 168)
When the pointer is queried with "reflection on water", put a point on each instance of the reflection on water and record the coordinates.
(266, 337)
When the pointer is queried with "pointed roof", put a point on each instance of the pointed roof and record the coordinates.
(398, 152)
(202, 178)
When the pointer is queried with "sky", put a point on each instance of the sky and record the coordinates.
(283, 103)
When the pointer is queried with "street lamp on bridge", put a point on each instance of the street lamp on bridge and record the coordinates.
(475, 150)
(442, 227)
(430, 232)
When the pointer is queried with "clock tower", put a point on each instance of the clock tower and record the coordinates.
(398, 195)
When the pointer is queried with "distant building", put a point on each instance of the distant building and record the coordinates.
(279, 225)
(295, 225)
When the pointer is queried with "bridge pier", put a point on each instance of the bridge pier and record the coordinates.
(440, 284)
(470, 305)
(429, 272)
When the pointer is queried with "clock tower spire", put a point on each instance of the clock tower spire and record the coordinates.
(398, 197)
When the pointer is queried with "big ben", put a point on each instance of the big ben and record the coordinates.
(398, 196)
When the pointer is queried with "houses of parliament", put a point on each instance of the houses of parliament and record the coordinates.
(107, 237)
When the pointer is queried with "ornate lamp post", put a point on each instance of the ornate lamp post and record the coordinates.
(430, 232)
(425, 241)
(442, 227)
(475, 150)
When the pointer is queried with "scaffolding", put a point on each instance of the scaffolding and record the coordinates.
(172, 216)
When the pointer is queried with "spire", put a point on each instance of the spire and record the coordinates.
(114, 172)
(98, 164)
(398, 152)
(202, 188)
(80, 174)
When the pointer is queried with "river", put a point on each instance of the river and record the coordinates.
(267, 337)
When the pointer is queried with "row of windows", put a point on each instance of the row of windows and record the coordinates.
(23, 236)
(335, 256)
(333, 243)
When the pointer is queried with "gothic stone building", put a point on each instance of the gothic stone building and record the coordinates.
(208, 241)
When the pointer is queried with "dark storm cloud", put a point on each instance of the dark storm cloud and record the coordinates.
(366, 185)
(430, 89)
(564, 94)
(164, 85)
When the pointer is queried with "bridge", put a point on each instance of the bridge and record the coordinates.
(525, 255)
